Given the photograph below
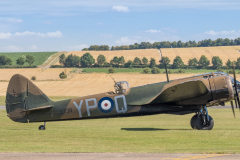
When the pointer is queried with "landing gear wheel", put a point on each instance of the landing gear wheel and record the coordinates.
(193, 122)
(42, 127)
(200, 124)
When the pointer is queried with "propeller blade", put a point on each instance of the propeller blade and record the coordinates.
(232, 108)
(236, 102)
(235, 86)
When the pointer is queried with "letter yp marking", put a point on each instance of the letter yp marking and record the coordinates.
(89, 107)
(79, 107)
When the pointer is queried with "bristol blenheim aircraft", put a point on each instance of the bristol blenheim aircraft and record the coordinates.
(26, 103)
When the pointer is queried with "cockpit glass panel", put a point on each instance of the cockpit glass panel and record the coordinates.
(121, 87)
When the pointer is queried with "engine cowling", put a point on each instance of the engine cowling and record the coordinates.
(221, 89)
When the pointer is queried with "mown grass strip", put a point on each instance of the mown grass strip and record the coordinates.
(140, 70)
(40, 57)
(148, 134)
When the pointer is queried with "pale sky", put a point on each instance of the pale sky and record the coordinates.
(58, 25)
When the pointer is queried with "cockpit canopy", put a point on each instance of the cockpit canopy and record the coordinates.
(121, 87)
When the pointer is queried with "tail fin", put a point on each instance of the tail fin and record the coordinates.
(22, 96)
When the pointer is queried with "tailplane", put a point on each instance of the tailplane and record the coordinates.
(23, 96)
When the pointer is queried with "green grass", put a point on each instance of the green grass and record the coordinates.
(140, 70)
(117, 70)
(147, 134)
(39, 57)
(2, 100)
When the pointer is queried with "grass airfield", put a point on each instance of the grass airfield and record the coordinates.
(148, 134)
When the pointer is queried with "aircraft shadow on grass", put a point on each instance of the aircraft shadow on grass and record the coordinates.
(149, 129)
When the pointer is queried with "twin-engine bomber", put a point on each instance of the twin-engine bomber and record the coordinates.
(26, 103)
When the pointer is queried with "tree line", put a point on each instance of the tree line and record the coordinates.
(4, 60)
(87, 60)
(167, 44)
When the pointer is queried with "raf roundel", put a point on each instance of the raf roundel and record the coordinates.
(106, 104)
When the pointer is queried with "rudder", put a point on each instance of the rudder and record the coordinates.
(22, 95)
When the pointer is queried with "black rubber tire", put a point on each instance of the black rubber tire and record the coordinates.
(41, 127)
(200, 126)
(193, 122)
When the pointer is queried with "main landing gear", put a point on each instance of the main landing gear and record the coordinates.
(42, 127)
(202, 121)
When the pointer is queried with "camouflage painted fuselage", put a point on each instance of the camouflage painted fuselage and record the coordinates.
(25, 102)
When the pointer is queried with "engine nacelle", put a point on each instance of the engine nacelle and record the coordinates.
(221, 89)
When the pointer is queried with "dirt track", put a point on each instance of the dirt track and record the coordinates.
(115, 156)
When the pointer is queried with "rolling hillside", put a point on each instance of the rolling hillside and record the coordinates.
(127, 54)
(40, 57)
(224, 52)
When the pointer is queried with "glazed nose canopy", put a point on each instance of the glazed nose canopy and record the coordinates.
(221, 88)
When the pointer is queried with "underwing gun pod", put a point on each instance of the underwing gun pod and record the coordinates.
(26, 103)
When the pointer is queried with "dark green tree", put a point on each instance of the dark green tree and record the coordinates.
(62, 58)
(20, 61)
(229, 64)
(146, 70)
(87, 60)
(164, 60)
(177, 62)
(4, 60)
(193, 62)
(137, 61)
(101, 59)
(111, 70)
(128, 64)
(144, 61)
(72, 61)
(121, 60)
(203, 61)
(152, 63)
(62, 75)
(237, 63)
(115, 60)
(30, 59)
(217, 62)
(85, 49)
(155, 70)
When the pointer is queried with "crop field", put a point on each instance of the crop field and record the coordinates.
(127, 54)
(39, 57)
(224, 52)
(83, 84)
(147, 134)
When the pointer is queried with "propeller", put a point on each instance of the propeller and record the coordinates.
(236, 103)
(233, 108)
(236, 87)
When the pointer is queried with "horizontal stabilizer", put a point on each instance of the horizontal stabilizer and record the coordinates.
(38, 108)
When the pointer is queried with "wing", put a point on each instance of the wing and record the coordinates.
(182, 91)
(168, 92)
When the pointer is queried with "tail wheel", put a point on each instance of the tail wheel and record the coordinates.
(200, 123)
(193, 122)
(42, 127)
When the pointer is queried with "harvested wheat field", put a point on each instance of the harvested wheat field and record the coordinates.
(80, 84)
(41, 74)
(127, 54)
(224, 52)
